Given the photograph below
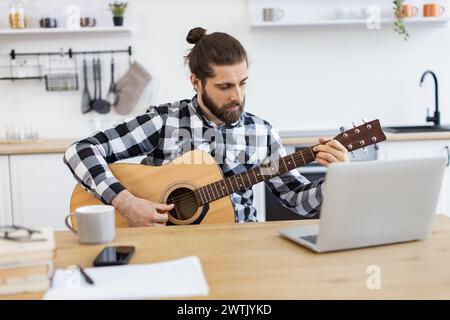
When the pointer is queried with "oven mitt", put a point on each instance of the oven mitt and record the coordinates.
(130, 87)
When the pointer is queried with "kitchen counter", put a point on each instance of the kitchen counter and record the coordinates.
(287, 137)
(35, 147)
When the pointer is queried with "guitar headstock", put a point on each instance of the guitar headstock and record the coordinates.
(367, 134)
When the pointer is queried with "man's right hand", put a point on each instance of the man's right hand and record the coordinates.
(141, 212)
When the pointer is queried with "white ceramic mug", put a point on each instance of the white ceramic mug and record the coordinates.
(272, 14)
(95, 224)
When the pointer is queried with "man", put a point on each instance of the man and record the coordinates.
(215, 122)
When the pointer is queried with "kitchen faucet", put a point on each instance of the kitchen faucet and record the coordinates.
(436, 118)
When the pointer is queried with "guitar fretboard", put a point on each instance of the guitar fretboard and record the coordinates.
(246, 180)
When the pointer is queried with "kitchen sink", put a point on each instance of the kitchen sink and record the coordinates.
(411, 129)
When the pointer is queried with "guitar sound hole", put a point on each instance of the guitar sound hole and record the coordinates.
(185, 203)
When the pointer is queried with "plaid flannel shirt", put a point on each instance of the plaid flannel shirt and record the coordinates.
(166, 131)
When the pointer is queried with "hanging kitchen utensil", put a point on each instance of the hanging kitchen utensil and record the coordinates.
(22, 68)
(86, 97)
(62, 78)
(130, 88)
(112, 95)
(94, 78)
(100, 105)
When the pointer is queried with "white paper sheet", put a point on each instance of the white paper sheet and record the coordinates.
(176, 278)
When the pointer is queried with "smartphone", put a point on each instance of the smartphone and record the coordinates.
(113, 256)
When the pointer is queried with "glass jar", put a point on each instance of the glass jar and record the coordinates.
(20, 14)
(12, 15)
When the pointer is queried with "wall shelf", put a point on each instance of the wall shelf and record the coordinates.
(432, 22)
(36, 31)
(65, 12)
(303, 13)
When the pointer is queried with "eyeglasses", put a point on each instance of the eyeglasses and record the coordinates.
(19, 234)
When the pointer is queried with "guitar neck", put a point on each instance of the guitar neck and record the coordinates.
(245, 180)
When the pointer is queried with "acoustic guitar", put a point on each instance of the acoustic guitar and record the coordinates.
(195, 184)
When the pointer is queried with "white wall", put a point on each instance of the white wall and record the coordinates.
(300, 78)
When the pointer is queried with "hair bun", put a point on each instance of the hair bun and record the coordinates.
(195, 35)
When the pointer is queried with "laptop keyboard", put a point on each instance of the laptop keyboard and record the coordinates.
(312, 238)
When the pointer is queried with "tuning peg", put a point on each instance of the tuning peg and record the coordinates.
(364, 120)
(342, 129)
(365, 150)
(376, 147)
(356, 129)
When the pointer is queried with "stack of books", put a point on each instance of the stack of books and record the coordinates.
(27, 266)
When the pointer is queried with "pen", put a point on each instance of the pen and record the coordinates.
(85, 275)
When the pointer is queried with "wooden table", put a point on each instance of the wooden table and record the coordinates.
(251, 261)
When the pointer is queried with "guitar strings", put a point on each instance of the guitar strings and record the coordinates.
(308, 158)
(186, 197)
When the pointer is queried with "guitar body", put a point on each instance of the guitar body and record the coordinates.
(159, 183)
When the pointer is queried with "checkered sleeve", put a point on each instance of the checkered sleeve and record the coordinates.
(292, 189)
(88, 159)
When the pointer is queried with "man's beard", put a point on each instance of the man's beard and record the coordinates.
(221, 113)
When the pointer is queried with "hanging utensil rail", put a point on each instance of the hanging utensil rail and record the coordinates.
(13, 54)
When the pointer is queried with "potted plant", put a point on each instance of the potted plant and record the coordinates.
(118, 10)
(399, 24)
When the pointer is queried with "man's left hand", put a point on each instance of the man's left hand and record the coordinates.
(330, 152)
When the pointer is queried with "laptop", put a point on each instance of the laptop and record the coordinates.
(371, 203)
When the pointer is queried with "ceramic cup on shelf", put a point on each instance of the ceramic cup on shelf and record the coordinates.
(272, 14)
(88, 22)
(433, 10)
(407, 10)
(357, 13)
(342, 13)
(48, 22)
(364, 12)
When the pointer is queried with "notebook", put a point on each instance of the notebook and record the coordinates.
(170, 279)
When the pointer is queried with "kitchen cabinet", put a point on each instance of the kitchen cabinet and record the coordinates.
(36, 189)
(397, 150)
(5, 192)
(41, 186)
